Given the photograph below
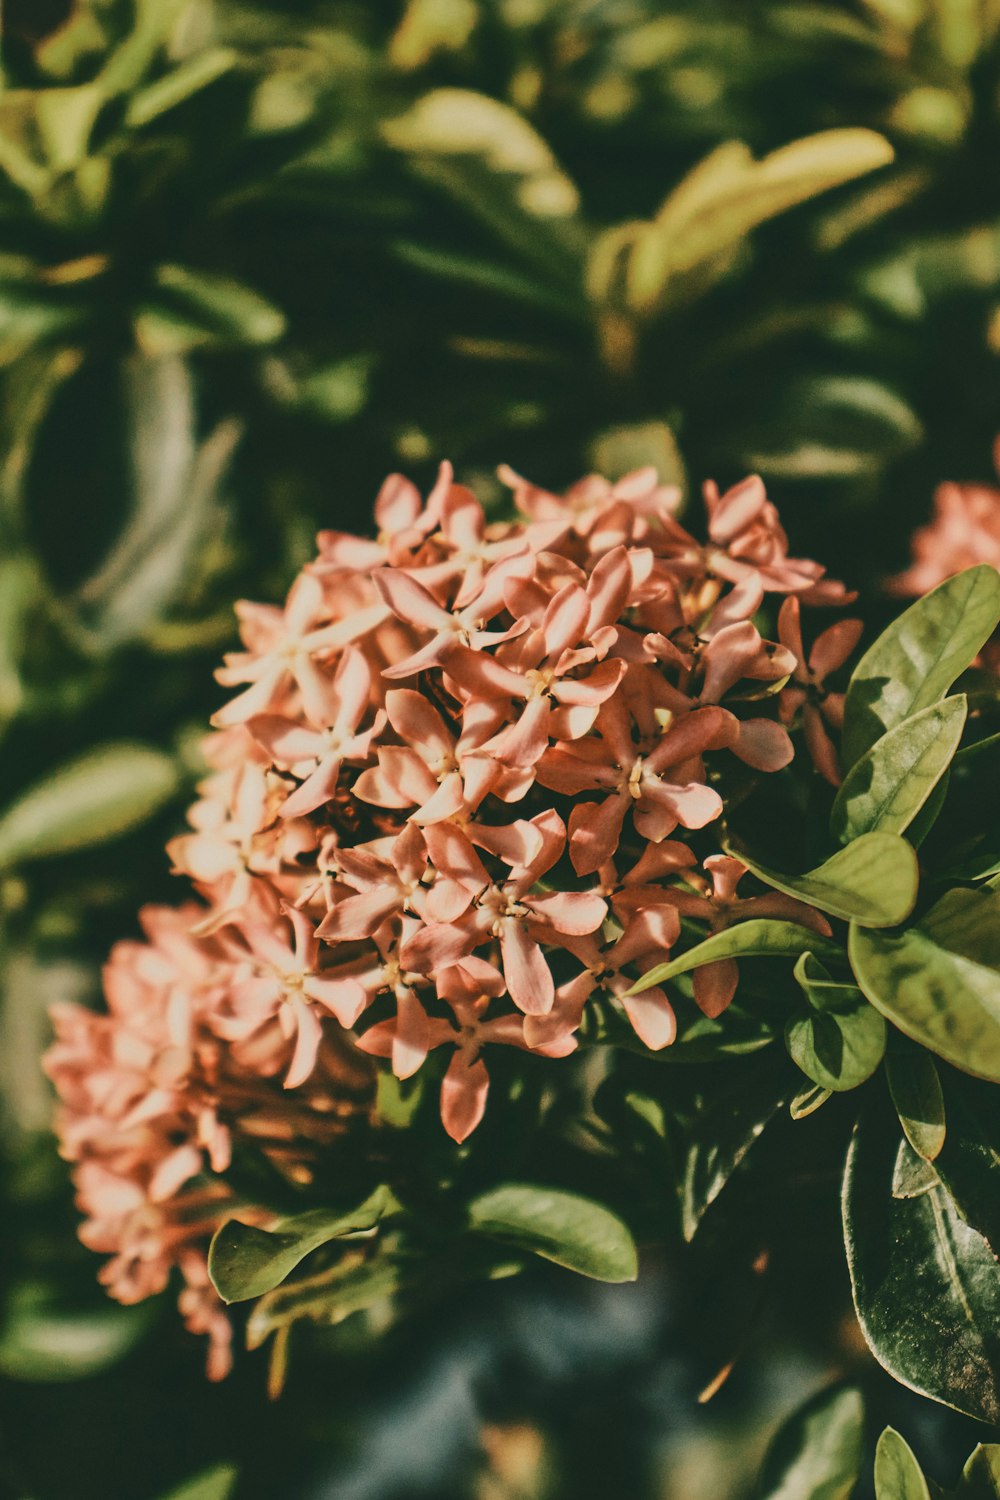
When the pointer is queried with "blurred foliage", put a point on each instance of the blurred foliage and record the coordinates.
(255, 255)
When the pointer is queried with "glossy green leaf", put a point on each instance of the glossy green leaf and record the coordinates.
(939, 981)
(99, 796)
(898, 1476)
(917, 658)
(840, 1043)
(872, 882)
(721, 1136)
(214, 1484)
(926, 1285)
(758, 938)
(916, 1093)
(246, 1262)
(816, 1454)
(564, 1227)
(886, 788)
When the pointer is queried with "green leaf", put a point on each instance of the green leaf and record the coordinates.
(889, 784)
(898, 1476)
(758, 938)
(175, 489)
(572, 1231)
(926, 1286)
(486, 156)
(917, 658)
(828, 426)
(841, 1043)
(245, 1262)
(939, 981)
(807, 1101)
(816, 1454)
(912, 1175)
(334, 1294)
(720, 1137)
(981, 1475)
(43, 1339)
(965, 843)
(97, 797)
(197, 307)
(618, 451)
(916, 1092)
(872, 882)
(969, 1163)
(214, 1484)
(193, 75)
(729, 193)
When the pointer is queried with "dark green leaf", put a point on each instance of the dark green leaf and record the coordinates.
(816, 1454)
(840, 1042)
(889, 784)
(938, 981)
(969, 1163)
(926, 1286)
(917, 658)
(720, 1137)
(573, 1231)
(246, 1262)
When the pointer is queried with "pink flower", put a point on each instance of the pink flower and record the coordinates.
(468, 987)
(808, 693)
(357, 856)
(285, 647)
(965, 530)
(281, 979)
(507, 909)
(316, 749)
(661, 786)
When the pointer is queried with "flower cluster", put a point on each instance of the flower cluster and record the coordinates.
(965, 530)
(447, 809)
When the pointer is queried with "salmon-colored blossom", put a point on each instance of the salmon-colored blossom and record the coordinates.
(452, 806)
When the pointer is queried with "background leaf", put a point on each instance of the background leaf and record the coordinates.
(817, 1453)
(573, 1231)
